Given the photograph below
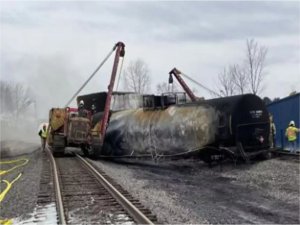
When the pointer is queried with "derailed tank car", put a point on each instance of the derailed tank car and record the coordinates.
(167, 125)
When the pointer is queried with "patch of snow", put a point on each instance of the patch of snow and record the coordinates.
(45, 214)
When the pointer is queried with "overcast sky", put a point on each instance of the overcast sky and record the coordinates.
(54, 46)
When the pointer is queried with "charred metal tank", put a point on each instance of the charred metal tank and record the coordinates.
(164, 126)
(174, 130)
(243, 119)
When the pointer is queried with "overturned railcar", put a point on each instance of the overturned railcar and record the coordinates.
(168, 125)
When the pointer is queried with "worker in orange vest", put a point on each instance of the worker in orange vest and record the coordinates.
(291, 134)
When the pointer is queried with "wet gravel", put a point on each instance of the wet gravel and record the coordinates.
(183, 191)
(21, 198)
(187, 191)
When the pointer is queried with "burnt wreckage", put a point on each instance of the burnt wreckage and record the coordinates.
(168, 125)
(132, 125)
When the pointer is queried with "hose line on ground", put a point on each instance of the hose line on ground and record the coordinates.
(2, 172)
(8, 186)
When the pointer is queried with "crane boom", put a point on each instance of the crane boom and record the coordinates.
(185, 87)
(120, 52)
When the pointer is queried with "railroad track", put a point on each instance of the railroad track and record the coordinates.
(286, 155)
(85, 195)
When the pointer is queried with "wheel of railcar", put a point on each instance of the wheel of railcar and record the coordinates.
(95, 151)
(206, 157)
(210, 155)
(95, 147)
(266, 155)
(85, 150)
(58, 151)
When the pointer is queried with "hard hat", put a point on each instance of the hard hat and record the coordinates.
(81, 102)
(292, 123)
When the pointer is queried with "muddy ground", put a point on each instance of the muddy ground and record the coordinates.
(188, 191)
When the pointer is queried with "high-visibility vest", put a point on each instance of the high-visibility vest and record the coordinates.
(44, 133)
(291, 133)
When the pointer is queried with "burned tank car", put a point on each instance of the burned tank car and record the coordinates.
(243, 119)
(174, 129)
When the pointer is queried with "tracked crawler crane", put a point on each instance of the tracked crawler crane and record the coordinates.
(68, 129)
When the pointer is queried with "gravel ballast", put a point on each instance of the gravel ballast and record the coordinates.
(187, 191)
(21, 198)
(182, 191)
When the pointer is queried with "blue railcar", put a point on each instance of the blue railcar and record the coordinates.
(283, 112)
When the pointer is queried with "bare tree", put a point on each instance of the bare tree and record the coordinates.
(226, 85)
(293, 93)
(22, 98)
(6, 97)
(255, 65)
(136, 77)
(15, 98)
(239, 79)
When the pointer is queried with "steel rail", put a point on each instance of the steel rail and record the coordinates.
(133, 211)
(285, 152)
(59, 202)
